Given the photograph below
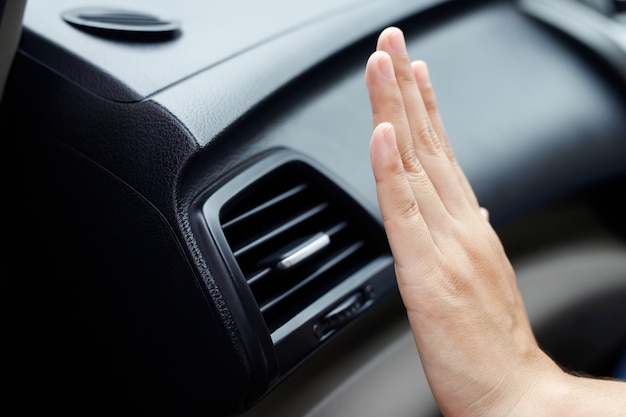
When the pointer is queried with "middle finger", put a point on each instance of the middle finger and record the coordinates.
(423, 136)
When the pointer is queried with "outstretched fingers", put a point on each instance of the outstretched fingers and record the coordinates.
(387, 103)
(424, 137)
(388, 106)
(408, 234)
(427, 92)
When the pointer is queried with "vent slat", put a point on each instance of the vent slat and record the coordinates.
(259, 275)
(303, 217)
(256, 276)
(327, 266)
(291, 193)
(126, 19)
(337, 228)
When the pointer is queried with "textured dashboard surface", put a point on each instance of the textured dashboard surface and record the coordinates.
(211, 33)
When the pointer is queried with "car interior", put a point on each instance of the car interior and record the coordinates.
(192, 216)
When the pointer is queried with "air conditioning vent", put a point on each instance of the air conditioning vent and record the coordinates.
(295, 236)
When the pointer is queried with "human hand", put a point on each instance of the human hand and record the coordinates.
(457, 284)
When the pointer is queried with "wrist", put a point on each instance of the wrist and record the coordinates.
(589, 396)
(551, 391)
(539, 388)
(560, 394)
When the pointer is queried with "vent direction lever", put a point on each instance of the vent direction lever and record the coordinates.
(304, 251)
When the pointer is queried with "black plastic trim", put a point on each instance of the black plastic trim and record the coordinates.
(276, 354)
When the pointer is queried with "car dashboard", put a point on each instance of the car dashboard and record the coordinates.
(197, 230)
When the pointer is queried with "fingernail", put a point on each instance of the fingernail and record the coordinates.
(422, 77)
(396, 41)
(386, 68)
(390, 135)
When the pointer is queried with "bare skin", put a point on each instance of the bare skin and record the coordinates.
(459, 289)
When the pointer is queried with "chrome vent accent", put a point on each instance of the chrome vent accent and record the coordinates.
(295, 236)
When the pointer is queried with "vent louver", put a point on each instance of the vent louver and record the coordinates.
(295, 236)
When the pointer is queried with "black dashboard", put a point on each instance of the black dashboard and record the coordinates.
(195, 219)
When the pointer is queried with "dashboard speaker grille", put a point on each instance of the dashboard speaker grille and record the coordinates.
(122, 25)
